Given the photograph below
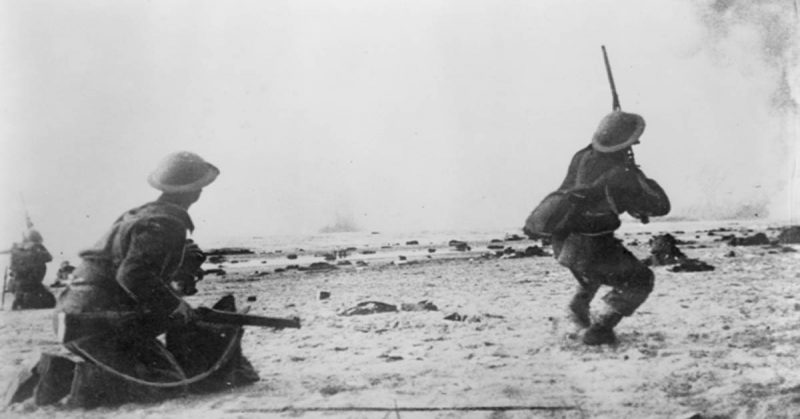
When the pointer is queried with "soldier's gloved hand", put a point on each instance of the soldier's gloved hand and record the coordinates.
(183, 314)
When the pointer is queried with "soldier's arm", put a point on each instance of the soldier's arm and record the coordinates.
(155, 247)
(654, 200)
(44, 254)
(641, 196)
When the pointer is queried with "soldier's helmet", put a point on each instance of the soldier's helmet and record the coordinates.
(181, 172)
(32, 236)
(617, 131)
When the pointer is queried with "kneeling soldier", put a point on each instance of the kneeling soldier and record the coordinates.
(128, 271)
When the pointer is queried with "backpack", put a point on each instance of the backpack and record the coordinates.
(552, 215)
(564, 212)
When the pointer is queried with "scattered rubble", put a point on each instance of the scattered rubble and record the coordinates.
(368, 307)
(691, 265)
(664, 251)
(789, 235)
(423, 305)
(228, 251)
(757, 239)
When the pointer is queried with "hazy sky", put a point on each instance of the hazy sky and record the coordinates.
(399, 115)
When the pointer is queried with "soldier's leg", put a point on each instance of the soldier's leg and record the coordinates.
(581, 300)
(631, 283)
(116, 368)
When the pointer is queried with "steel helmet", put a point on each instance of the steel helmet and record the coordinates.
(617, 131)
(183, 171)
(32, 236)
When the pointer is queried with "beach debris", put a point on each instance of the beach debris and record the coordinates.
(755, 240)
(344, 263)
(412, 243)
(495, 246)
(216, 259)
(329, 256)
(251, 298)
(368, 307)
(361, 263)
(368, 252)
(279, 270)
(215, 271)
(461, 246)
(323, 295)
(691, 265)
(228, 251)
(530, 251)
(431, 250)
(730, 254)
(495, 241)
(291, 256)
(321, 266)
(423, 305)
(456, 317)
(513, 237)
(789, 235)
(664, 251)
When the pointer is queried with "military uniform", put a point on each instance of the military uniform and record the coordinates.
(606, 183)
(129, 270)
(28, 269)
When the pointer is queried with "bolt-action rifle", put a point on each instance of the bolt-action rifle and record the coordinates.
(70, 326)
(631, 160)
(5, 281)
(28, 222)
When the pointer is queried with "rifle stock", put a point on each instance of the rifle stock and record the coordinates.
(70, 326)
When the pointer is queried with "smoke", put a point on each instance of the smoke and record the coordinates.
(759, 39)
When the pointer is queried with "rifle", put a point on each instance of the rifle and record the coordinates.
(28, 222)
(70, 326)
(615, 106)
(615, 103)
(3, 298)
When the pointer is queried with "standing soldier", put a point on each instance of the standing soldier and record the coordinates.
(27, 271)
(602, 182)
(609, 181)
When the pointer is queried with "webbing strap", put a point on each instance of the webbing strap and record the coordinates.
(184, 382)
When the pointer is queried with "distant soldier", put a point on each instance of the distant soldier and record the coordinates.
(603, 181)
(129, 270)
(27, 271)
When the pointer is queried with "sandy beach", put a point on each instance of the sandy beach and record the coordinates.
(718, 344)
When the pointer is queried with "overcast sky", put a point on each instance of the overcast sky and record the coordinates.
(406, 115)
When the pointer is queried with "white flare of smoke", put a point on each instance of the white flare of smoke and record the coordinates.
(775, 26)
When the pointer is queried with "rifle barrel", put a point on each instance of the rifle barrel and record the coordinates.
(615, 105)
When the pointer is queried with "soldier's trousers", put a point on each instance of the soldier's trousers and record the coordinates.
(603, 260)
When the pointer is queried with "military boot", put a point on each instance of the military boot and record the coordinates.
(578, 313)
(579, 305)
(601, 332)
